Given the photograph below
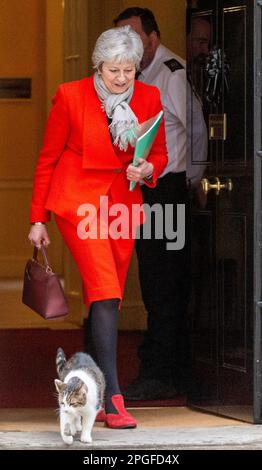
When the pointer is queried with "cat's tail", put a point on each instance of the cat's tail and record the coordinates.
(60, 361)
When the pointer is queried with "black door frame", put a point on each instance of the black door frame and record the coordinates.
(257, 213)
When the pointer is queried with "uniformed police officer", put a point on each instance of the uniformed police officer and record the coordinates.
(164, 275)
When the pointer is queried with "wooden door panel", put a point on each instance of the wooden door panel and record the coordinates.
(203, 282)
(233, 291)
(234, 103)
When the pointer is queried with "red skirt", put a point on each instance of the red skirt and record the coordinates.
(102, 262)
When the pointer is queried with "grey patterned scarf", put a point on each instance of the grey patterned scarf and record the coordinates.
(124, 123)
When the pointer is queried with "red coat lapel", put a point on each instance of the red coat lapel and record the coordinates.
(98, 151)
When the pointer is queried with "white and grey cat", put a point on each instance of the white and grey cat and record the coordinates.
(80, 394)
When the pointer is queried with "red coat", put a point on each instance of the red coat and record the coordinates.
(78, 163)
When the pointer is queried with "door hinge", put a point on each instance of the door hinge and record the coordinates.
(259, 3)
(259, 152)
(259, 303)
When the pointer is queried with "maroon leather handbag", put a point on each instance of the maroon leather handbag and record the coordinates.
(42, 290)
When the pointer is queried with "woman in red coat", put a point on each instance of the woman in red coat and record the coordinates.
(84, 169)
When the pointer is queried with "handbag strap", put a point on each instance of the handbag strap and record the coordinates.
(35, 254)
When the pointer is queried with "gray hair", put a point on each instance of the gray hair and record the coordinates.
(120, 45)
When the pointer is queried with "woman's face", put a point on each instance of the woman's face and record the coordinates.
(118, 76)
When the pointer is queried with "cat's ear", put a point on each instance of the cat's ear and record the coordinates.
(59, 385)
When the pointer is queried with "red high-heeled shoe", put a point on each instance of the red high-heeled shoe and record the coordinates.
(121, 420)
(101, 416)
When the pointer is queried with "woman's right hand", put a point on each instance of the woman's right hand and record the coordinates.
(38, 236)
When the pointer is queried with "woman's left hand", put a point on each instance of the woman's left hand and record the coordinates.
(137, 173)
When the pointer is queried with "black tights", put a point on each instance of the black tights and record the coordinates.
(103, 323)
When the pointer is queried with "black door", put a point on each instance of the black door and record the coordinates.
(225, 309)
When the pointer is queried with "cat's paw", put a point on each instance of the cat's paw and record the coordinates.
(68, 440)
(86, 438)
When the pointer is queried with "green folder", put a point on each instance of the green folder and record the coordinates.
(146, 136)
